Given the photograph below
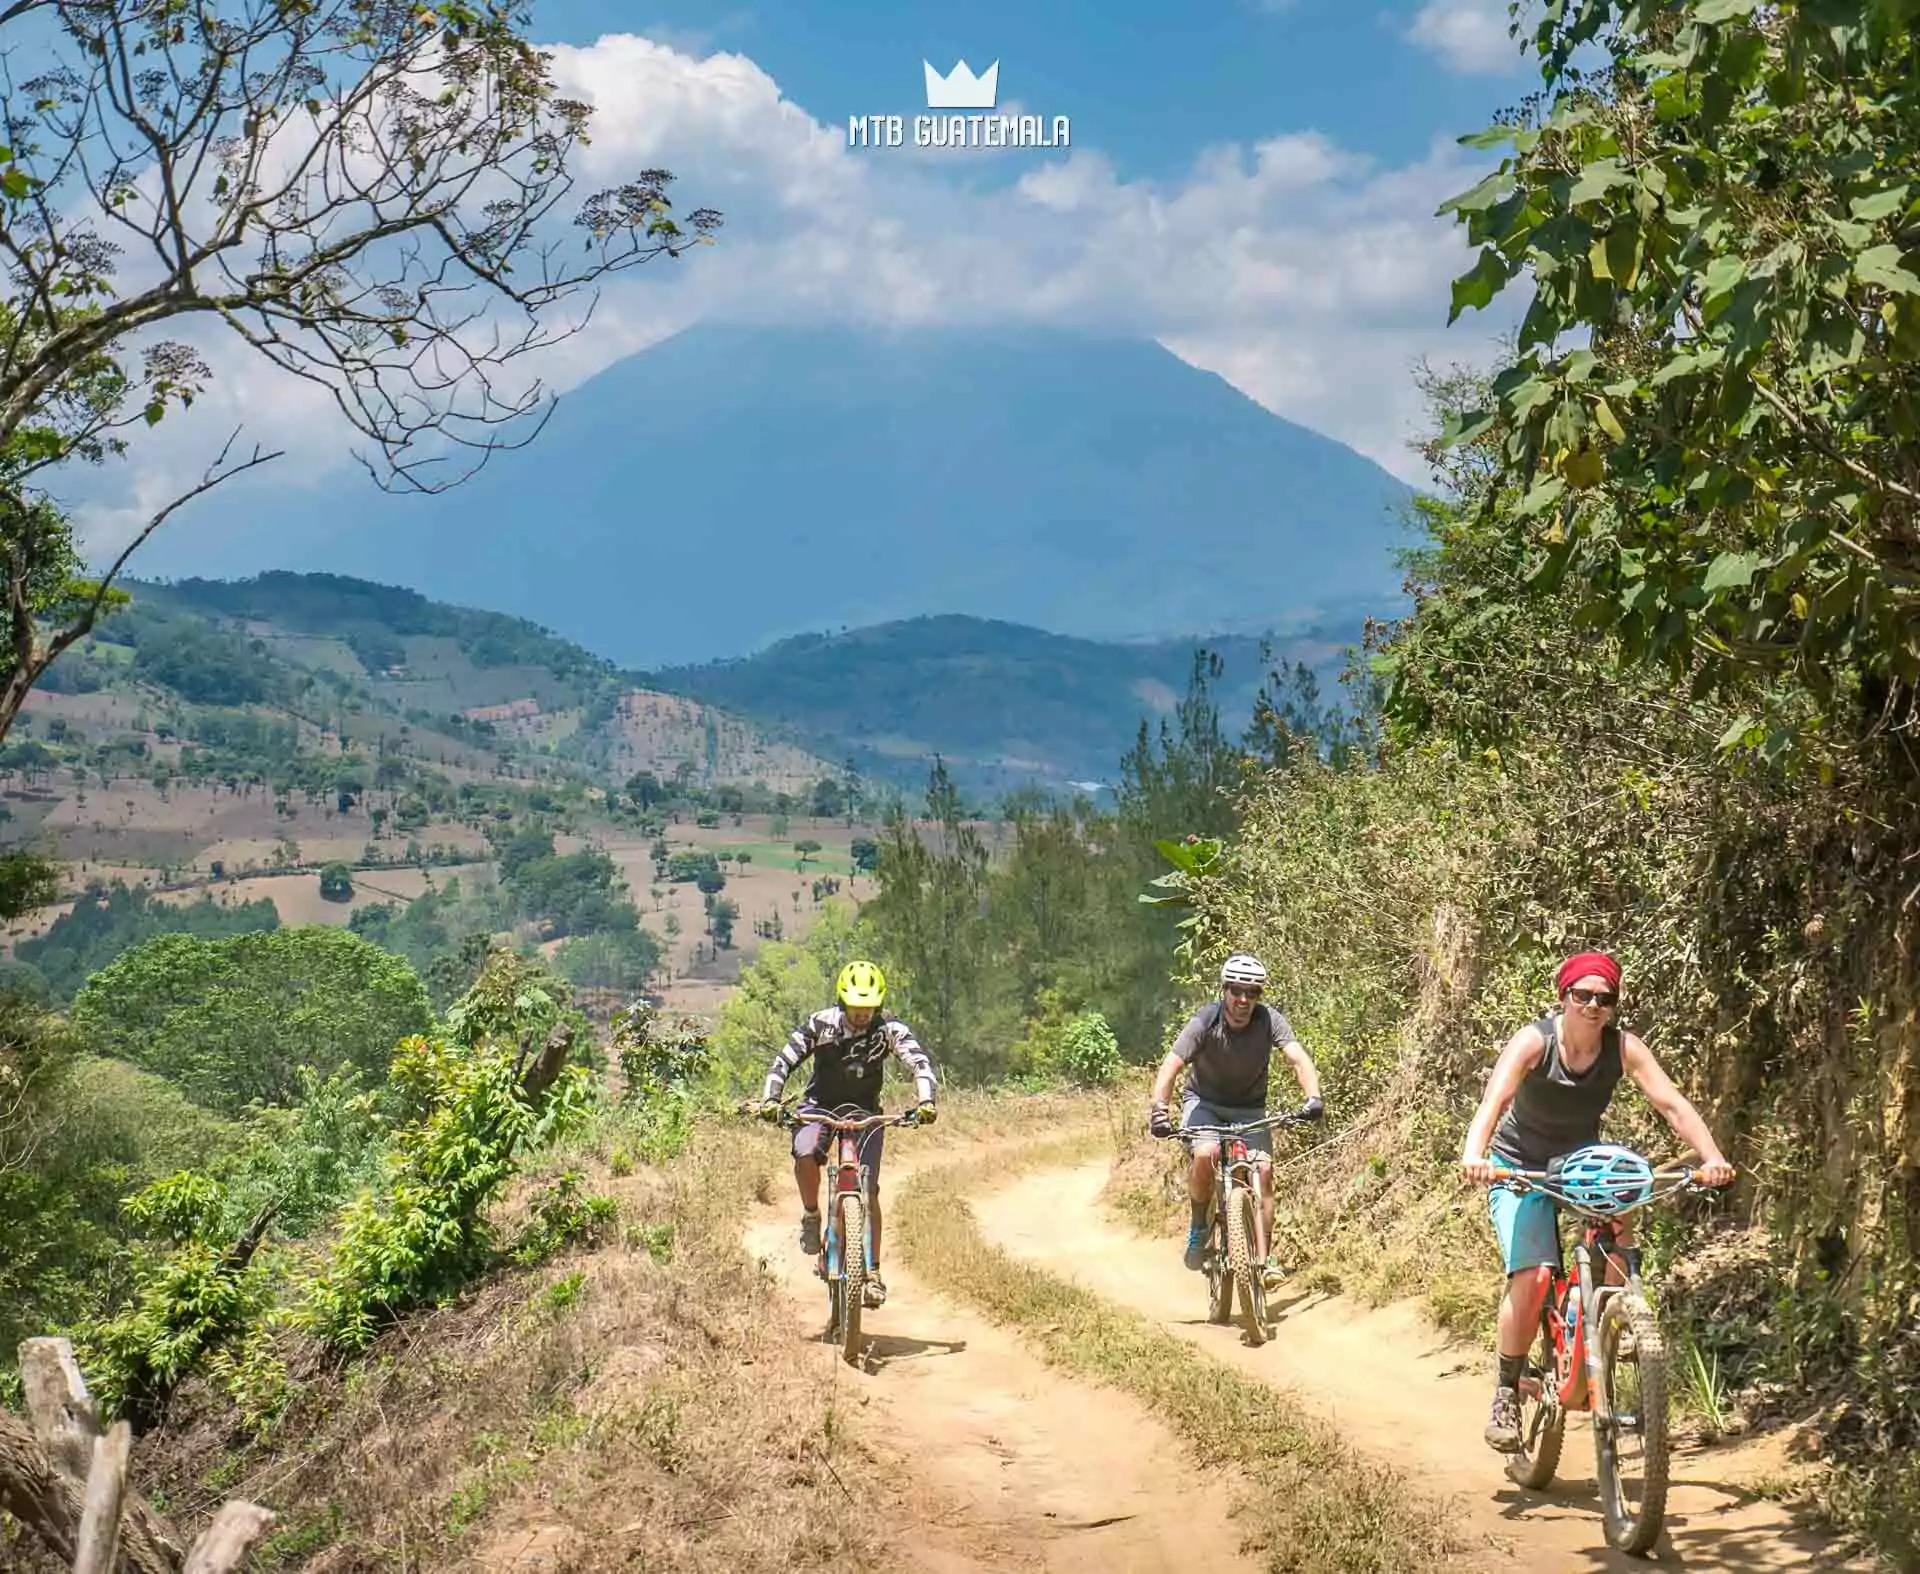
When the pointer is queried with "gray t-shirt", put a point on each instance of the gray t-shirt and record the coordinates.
(1226, 1068)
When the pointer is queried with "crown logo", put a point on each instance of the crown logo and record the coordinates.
(961, 89)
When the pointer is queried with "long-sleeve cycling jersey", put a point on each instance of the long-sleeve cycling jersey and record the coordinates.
(847, 1066)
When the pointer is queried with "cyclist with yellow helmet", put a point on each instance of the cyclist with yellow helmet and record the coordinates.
(849, 1043)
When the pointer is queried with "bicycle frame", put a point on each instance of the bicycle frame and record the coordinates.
(846, 1173)
(1578, 1381)
(1239, 1166)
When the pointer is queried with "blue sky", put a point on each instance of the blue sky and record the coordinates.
(1251, 183)
(1149, 84)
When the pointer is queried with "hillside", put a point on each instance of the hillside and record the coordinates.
(735, 486)
(525, 690)
(1005, 706)
(204, 759)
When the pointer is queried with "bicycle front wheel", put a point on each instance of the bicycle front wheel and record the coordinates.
(1246, 1273)
(853, 1274)
(1630, 1444)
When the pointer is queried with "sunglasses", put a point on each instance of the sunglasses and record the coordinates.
(1244, 991)
(1593, 997)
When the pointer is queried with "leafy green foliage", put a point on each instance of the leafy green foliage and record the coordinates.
(470, 1113)
(1723, 475)
(187, 1300)
(562, 1215)
(202, 664)
(232, 1021)
(107, 921)
(336, 883)
(621, 961)
(1077, 1047)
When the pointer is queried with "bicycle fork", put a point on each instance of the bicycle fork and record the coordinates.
(1599, 1402)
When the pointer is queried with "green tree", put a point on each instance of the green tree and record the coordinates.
(1721, 471)
(622, 961)
(927, 916)
(232, 1021)
(336, 883)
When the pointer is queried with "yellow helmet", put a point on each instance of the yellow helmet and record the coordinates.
(861, 984)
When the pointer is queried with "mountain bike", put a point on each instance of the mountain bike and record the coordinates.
(846, 1250)
(1600, 1348)
(1237, 1245)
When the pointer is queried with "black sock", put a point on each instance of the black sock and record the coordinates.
(1510, 1369)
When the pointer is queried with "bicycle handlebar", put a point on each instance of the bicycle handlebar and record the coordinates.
(1244, 1128)
(1669, 1181)
(797, 1115)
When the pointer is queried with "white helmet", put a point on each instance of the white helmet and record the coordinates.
(1243, 969)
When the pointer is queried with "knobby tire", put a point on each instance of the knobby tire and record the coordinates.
(1543, 1424)
(853, 1274)
(1219, 1277)
(1631, 1343)
(1240, 1258)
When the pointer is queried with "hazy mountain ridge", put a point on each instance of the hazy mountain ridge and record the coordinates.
(734, 486)
(1003, 704)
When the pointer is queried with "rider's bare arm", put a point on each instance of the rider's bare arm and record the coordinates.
(1168, 1074)
(1674, 1107)
(1521, 1055)
(1304, 1070)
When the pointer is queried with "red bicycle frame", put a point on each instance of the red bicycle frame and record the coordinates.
(1561, 1293)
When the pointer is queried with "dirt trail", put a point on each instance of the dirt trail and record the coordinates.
(1026, 1469)
(1403, 1391)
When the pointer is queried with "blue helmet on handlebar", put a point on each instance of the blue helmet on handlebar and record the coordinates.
(1603, 1178)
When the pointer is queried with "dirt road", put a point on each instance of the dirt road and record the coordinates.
(1024, 1469)
(1401, 1390)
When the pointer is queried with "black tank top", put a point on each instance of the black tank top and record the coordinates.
(1556, 1111)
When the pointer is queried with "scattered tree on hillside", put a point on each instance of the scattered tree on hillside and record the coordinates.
(231, 1021)
(371, 198)
(336, 883)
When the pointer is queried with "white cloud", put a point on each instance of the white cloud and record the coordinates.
(1468, 35)
(1306, 275)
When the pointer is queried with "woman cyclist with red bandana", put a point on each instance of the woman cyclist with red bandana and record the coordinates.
(1549, 1088)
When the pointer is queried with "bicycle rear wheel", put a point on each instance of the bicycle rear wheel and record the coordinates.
(1543, 1424)
(853, 1274)
(1630, 1446)
(1219, 1274)
(1246, 1274)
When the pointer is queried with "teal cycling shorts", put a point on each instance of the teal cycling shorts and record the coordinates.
(1527, 1225)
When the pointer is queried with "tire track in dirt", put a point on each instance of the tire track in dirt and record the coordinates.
(1026, 1469)
(1404, 1392)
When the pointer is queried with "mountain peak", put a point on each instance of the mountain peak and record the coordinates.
(735, 485)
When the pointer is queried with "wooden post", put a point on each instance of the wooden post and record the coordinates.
(68, 1484)
(224, 1545)
(62, 1411)
(98, 1551)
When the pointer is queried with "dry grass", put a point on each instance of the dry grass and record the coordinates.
(1348, 1220)
(648, 1402)
(1315, 1506)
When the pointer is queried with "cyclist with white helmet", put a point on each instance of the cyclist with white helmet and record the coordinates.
(849, 1043)
(1227, 1049)
(1549, 1088)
